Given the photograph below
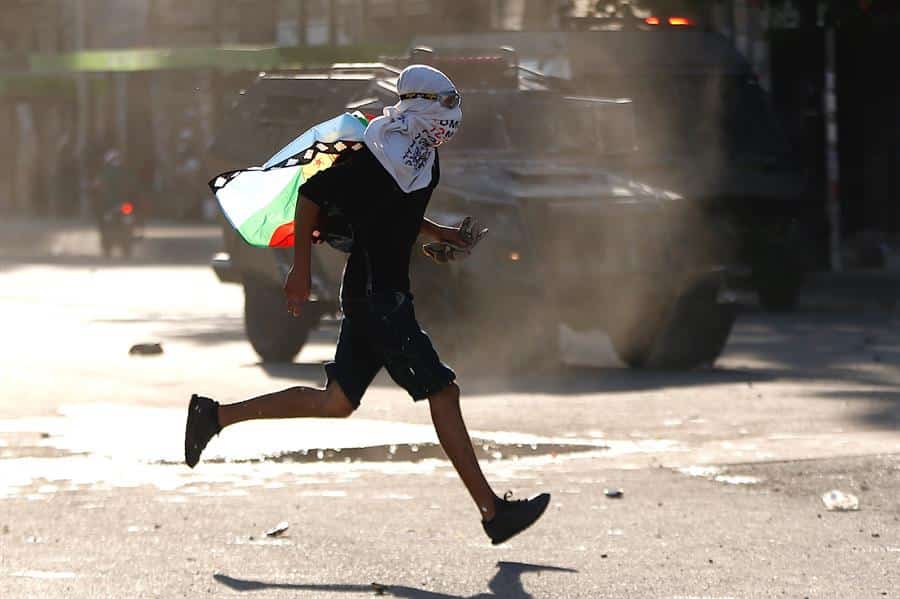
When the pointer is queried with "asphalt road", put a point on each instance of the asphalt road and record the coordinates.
(722, 470)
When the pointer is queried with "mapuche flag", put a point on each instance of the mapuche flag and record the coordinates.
(259, 202)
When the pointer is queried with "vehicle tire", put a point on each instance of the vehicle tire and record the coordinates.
(635, 352)
(636, 324)
(272, 331)
(681, 333)
(696, 331)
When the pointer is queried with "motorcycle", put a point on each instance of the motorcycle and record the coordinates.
(118, 228)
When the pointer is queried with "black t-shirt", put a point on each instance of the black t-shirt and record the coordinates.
(385, 219)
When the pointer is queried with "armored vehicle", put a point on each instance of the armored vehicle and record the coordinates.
(573, 238)
(705, 127)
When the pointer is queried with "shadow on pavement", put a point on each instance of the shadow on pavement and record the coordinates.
(800, 346)
(506, 583)
(851, 348)
(572, 380)
(856, 348)
(302, 371)
(887, 412)
(560, 381)
(199, 331)
(212, 330)
(858, 351)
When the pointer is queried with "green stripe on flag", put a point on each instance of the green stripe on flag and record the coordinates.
(258, 229)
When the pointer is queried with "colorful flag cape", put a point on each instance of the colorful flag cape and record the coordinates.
(259, 202)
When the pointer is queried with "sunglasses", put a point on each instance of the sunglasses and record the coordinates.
(448, 99)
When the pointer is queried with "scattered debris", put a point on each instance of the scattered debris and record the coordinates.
(278, 529)
(145, 349)
(614, 493)
(838, 501)
(379, 589)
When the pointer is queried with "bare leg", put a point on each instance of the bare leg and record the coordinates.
(454, 438)
(294, 402)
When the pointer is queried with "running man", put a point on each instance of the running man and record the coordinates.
(383, 189)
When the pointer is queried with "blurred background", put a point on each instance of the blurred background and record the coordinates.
(153, 79)
(772, 120)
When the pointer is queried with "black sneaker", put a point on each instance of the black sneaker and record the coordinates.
(202, 425)
(512, 517)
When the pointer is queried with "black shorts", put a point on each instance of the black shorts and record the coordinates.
(382, 331)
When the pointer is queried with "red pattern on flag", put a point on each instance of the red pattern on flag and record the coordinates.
(283, 236)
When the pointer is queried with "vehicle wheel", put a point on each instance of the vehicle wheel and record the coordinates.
(273, 332)
(635, 326)
(635, 352)
(697, 329)
(681, 333)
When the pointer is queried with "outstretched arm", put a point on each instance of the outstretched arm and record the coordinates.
(297, 284)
